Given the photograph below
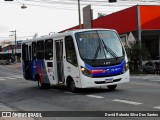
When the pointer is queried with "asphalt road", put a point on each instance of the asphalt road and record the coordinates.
(142, 93)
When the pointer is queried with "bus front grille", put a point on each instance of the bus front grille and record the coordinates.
(104, 82)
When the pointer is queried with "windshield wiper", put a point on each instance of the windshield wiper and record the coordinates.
(98, 49)
(101, 43)
(109, 50)
(96, 54)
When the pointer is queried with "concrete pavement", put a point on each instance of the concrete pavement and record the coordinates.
(17, 65)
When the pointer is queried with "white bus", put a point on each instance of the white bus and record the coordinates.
(78, 59)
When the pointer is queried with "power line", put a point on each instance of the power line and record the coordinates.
(72, 4)
(84, 2)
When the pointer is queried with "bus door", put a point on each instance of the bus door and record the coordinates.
(70, 61)
(26, 49)
(59, 59)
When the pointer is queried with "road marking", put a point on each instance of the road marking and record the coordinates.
(155, 80)
(19, 77)
(94, 96)
(11, 78)
(157, 107)
(127, 102)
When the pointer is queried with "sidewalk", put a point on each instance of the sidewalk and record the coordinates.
(150, 77)
(17, 65)
(143, 74)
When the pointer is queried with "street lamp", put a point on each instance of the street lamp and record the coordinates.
(110, 1)
(15, 53)
(23, 5)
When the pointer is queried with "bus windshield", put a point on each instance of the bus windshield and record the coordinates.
(99, 44)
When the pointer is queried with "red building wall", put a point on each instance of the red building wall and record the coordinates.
(126, 20)
(123, 21)
(150, 17)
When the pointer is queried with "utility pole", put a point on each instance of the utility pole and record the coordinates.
(79, 14)
(139, 32)
(15, 47)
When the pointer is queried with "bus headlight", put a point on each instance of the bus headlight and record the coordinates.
(85, 72)
(126, 67)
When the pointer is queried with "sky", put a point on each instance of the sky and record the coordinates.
(45, 16)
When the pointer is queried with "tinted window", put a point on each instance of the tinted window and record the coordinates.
(40, 50)
(34, 54)
(149, 64)
(70, 51)
(49, 49)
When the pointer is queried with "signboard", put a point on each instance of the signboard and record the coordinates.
(87, 17)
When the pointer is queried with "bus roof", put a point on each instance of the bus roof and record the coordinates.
(58, 35)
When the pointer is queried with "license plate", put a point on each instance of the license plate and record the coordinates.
(109, 80)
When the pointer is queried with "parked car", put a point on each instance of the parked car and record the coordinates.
(152, 67)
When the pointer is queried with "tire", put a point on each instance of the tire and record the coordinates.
(43, 85)
(112, 87)
(72, 87)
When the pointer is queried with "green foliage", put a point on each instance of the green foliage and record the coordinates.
(101, 15)
(137, 53)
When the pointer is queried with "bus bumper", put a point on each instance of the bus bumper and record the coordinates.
(87, 82)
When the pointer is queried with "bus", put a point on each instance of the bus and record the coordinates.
(5, 58)
(77, 59)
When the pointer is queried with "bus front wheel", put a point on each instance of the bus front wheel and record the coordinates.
(72, 86)
(112, 87)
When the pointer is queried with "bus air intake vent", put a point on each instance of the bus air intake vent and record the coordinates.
(103, 82)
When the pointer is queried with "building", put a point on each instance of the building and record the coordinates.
(140, 22)
(9, 47)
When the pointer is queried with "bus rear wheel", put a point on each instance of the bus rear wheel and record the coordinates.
(43, 85)
(112, 87)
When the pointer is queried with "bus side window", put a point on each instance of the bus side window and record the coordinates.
(40, 50)
(70, 51)
(49, 49)
(23, 52)
(34, 54)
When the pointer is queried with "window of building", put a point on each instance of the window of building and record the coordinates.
(124, 40)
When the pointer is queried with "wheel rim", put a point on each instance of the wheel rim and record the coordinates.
(39, 84)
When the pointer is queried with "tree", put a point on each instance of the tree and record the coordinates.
(136, 53)
(101, 15)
